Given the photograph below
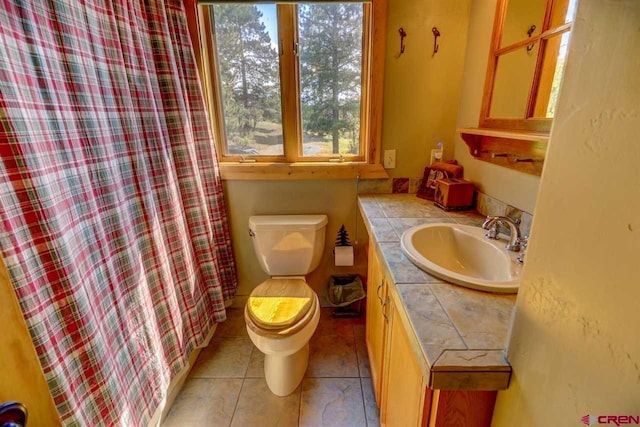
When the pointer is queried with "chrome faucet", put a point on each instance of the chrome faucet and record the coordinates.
(515, 239)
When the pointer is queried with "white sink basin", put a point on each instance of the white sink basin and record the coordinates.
(462, 255)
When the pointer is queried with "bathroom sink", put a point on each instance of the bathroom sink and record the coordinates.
(462, 255)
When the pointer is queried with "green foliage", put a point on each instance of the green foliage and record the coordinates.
(248, 70)
(330, 64)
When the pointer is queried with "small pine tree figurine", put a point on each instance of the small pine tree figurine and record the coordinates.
(343, 237)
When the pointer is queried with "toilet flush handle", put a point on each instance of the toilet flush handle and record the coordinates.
(251, 233)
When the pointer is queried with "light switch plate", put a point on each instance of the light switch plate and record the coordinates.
(389, 159)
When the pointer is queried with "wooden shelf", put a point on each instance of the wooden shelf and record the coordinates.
(520, 150)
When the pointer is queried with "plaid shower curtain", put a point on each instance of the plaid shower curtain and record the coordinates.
(113, 223)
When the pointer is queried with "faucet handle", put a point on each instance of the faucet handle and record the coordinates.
(515, 247)
(516, 242)
(524, 242)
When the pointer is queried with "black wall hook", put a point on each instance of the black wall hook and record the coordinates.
(403, 34)
(436, 34)
(530, 33)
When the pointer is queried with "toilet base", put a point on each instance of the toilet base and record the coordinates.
(284, 373)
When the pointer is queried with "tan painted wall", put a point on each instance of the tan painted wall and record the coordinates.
(575, 347)
(512, 187)
(336, 198)
(422, 91)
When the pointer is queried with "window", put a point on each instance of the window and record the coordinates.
(248, 80)
(292, 83)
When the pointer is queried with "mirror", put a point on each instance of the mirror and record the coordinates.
(526, 64)
(521, 16)
(511, 89)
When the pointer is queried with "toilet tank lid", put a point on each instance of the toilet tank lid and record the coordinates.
(314, 222)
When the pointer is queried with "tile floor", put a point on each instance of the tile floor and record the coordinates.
(226, 387)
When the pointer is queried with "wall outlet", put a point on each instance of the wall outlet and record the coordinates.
(436, 156)
(389, 159)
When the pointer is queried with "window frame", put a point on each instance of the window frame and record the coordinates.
(293, 165)
(530, 122)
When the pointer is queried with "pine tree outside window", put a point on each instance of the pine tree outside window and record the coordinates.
(290, 83)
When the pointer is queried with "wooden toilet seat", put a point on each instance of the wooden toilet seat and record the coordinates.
(280, 307)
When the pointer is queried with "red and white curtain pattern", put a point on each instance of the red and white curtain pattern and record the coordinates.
(113, 226)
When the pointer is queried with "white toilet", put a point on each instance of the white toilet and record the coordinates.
(282, 313)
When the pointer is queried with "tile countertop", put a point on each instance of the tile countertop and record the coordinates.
(459, 334)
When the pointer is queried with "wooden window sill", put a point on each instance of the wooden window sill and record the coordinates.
(301, 171)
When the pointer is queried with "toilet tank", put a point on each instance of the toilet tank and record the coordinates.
(288, 245)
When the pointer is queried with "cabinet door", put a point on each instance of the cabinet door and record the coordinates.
(375, 325)
(404, 392)
(469, 408)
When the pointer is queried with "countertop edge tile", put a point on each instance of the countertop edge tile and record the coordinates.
(470, 380)
(471, 360)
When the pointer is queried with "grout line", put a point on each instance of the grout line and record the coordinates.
(235, 408)
(355, 348)
(333, 378)
(300, 400)
(364, 404)
(366, 356)
(450, 319)
(250, 358)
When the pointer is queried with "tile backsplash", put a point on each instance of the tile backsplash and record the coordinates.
(374, 186)
(488, 206)
(400, 185)
(485, 204)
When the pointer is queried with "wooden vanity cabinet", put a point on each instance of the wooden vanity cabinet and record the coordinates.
(398, 383)
(376, 325)
(405, 395)
(401, 390)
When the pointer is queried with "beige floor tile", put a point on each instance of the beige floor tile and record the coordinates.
(363, 357)
(224, 358)
(359, 330)
(331, 394)
(205, 402)
(362, 319)
(256, 364)
(257, 406)
(332, 356)
(330, 325)
(332, 402)
(234, 326)
(370, 407)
